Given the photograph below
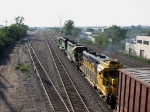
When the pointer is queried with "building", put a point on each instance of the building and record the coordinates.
(83, 35)
(130, 46)
(140, 47)
(88, 34)
(1, 26)
(143, 46)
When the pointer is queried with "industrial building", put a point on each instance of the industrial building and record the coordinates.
(140, 47)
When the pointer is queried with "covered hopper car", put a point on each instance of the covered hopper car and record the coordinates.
(133, 90)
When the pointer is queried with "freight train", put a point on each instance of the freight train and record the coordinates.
(99, 69)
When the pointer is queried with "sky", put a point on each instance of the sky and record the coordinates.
(48, 13)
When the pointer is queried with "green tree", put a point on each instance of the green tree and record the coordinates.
(19, 27)
(13, 31)
(3, 31)
(16, 31)
(75, 32)
(116, 34)
(10, 34)
(133, 31)
(148, 33)
(101, 40)
(68, 26)
(19, 20)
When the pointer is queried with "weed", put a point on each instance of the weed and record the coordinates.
(136, 57)
(17, 67)
(23, 68)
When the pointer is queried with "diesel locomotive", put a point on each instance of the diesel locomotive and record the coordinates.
(73, 50)
(99, 69)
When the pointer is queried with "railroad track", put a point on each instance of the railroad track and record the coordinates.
(55, 101)
(89, 100)
(73, 94)
(103, 102)
(70, 98)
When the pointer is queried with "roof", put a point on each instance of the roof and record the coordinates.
(63, 38)
(98, 57)
(140, 74)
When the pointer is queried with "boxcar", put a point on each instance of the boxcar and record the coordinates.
(133, 94)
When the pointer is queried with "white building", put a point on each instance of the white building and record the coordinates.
(141, 48)
(131, 48)
(87, 35)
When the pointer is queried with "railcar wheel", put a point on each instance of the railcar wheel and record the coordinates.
(108, 99)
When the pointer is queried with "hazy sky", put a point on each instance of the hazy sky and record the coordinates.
(83, 12)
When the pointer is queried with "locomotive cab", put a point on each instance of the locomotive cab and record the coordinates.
(103, 83)
(78, 52)
(62, 43)
(108, 76)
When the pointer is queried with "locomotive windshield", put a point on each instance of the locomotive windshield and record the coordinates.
(113, 72)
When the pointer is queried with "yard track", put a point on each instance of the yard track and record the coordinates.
(103, 107)
(69, 98)
(82, 96)
(56, 102)
(72, 92)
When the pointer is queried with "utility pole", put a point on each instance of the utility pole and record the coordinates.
(6, 22)
(60, 18)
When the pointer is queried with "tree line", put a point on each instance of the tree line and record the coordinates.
(111, 38)
(70, 29)
(11, 34)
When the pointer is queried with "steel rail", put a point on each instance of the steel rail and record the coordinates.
(53, 103)
(71, 108)
(69, 85)
(35, 69)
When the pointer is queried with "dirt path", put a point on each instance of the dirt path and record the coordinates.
(19, 92)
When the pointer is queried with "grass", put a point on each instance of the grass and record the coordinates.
(136, 57)
(139, 58)
(23, 68)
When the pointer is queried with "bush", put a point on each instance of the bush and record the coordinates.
(23, 68)
(17, 67)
